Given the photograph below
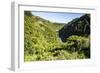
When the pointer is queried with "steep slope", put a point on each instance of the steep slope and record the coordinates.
(78, 26)
(40, 35)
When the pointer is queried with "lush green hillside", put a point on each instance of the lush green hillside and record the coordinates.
(41, 41)
(40, 37)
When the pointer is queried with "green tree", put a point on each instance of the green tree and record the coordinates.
(28, 13)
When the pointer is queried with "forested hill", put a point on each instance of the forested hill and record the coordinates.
(78, 26)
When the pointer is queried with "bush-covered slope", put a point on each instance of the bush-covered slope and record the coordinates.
(78, 26)
(40, 36)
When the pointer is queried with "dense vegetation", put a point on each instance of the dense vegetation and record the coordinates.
(42, 41)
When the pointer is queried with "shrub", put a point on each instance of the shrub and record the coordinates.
(79, 42)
